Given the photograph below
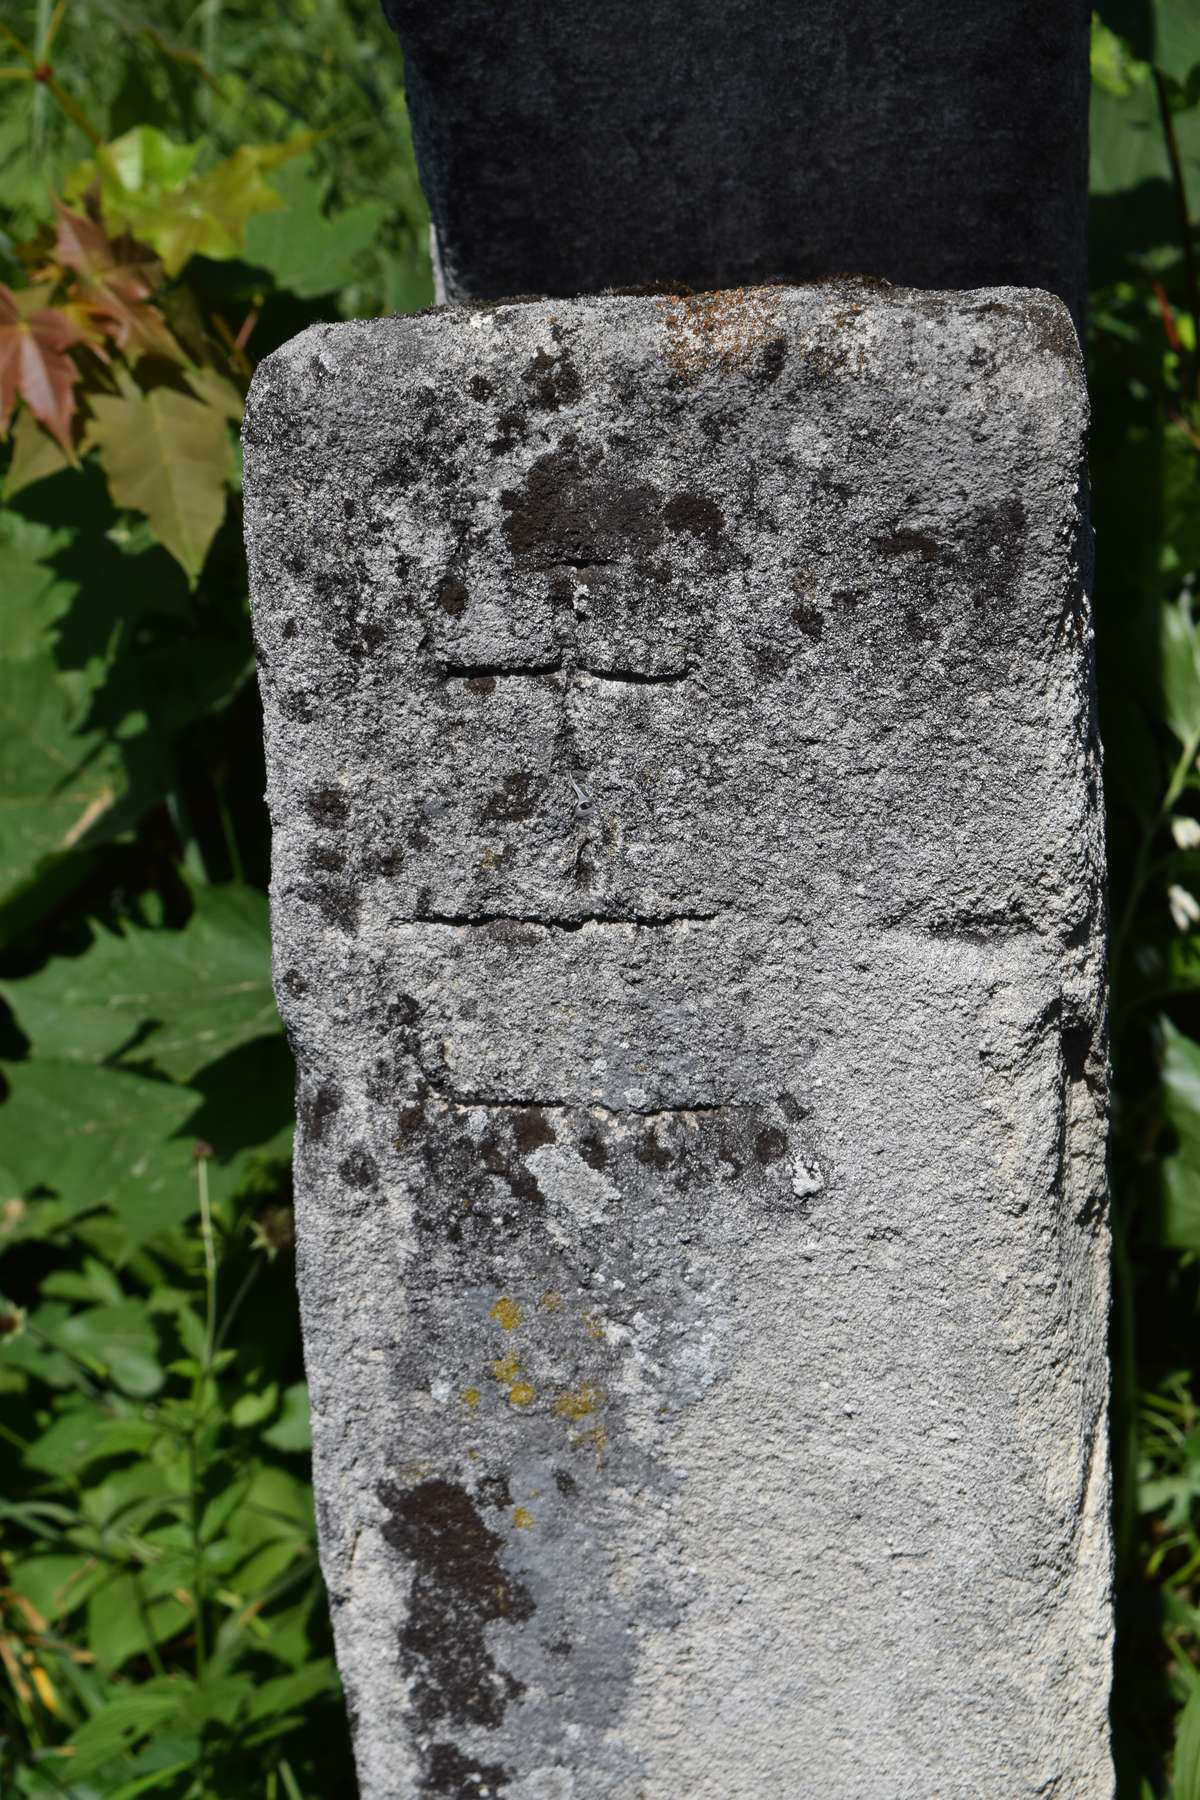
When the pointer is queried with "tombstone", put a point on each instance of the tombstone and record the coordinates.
(687, 901)
(569, 148)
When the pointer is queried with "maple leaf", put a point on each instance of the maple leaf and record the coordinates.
(117, 290)
(166, 455)
(35, 454)
(148, 186)
(34, 339)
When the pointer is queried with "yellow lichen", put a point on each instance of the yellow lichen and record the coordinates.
(507, 1368)
(506, 1313)
(471, 1397)
(520, 1394)
(522, 1519)
(580, 1403)
(594, 1326)
(550, 1301)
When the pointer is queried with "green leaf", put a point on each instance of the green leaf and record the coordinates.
(85, 1434)
(1181, 1171)
(121, 1341)
(251, 1408)
(292, 1430)
(1180, 653)
(286, 1692)
(303, 250)
(204, 990)
(35, 454)
(57, 1585)
(166, 455)
(1176, 38)
(60, 779)
(119, 1724)
(102, 1137)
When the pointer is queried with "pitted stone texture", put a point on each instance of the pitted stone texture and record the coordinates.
(687, 912)
(574, 147)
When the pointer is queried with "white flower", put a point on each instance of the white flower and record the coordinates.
(1184, 909)
(1186, 832)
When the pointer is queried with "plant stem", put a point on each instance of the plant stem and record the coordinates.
(210, 1265)
(199, 1399)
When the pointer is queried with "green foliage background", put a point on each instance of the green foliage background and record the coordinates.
(162, 1623)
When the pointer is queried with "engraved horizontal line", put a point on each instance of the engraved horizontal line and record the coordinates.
(453, 671)
(635, 678)
(452, 1097)
(642, 921)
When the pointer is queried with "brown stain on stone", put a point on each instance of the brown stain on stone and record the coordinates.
(727, 330)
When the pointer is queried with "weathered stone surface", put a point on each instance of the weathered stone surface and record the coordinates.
(573, 147)
(688, 922)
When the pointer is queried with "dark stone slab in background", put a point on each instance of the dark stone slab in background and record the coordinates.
(570, 147)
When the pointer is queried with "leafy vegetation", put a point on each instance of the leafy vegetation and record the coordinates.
(185, 187)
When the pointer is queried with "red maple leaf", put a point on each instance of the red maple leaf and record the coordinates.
(115, 282)
(33, 363)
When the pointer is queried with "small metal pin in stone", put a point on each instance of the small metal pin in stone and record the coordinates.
(585, 806)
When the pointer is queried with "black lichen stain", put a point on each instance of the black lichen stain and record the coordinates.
(516, 798)
(917, 625)
(337, 902)
(295, 983)
(327, 806)
(552, 380)
(697, 514)
(480, 388)
(771, 360)
(809, 621)
(460, 1587)
(770, 1145)
(480, 684)
(566, 1483)
(594, 1151)
(359, 1169)
(770, 661)
(521, 1183)
(317, 1108)
(511, 429)
(410, 1118)
(904, 542)
(326, 858)
(448, 1772)
(569, 513)
(494, 1491)
(995, 550)
(653, 1154)
(531, 1128)
(790, 1107)
(452, 596)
